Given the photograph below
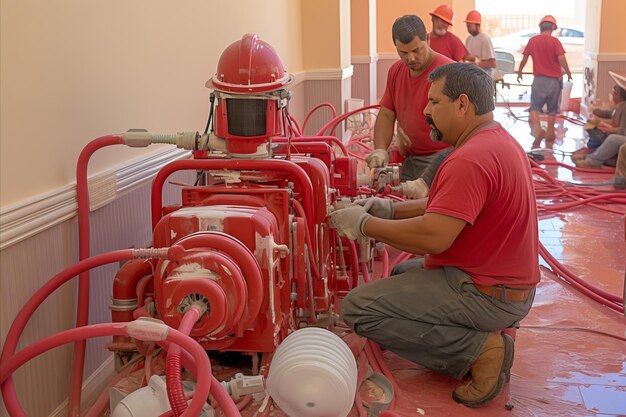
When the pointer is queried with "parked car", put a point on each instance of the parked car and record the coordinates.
(572, 38)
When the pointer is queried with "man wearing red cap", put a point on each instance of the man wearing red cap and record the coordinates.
(479, 44)
(441, 40)
(548, 65)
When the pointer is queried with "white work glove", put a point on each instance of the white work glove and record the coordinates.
(350, 221)
(378, 158)
(414, 189)
(377, 207)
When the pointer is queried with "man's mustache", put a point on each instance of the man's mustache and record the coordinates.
(435, 134)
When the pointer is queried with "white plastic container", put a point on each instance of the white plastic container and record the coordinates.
(565, 95)
(313, 374)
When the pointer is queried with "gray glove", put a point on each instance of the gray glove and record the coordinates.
(378, 158)
(349, 221)
(377, 207)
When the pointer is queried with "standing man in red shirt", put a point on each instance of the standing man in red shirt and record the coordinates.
(478, 233)
(406, 95)
(442, 41)
(549, 62)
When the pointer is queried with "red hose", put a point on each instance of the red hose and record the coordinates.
(362, 370)
(587, 289)
(26, 312)
(203, 376)
(173, 372)
(82, 309)
(330, 140)
(306, 187)
(342, 117)
(308, 116)
(385, 370)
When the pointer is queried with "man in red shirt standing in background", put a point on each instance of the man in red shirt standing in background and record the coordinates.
(548, 64)
(442, 41)
(406, 95)
(478, 233)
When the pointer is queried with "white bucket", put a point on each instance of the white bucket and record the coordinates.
(313, 374)
(565, 95)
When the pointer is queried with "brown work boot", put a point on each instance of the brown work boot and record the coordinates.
(489, 372)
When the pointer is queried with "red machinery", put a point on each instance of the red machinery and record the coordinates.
(260, 255)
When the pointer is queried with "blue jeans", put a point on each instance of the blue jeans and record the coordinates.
(434, 317)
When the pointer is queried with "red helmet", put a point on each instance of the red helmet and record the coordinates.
(444, 12)
(249, 66)
(550, 19)
(473, 17)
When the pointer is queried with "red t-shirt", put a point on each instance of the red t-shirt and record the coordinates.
(545, 49)
(488, 183)
(448, 45)
(407, 97)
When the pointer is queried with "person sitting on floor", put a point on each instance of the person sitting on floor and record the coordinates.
(605, 154)
(599, 130)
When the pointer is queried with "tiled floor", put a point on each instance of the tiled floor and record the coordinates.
(570, 351)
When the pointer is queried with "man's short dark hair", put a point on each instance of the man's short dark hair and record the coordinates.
(546, 26)
(407, 27)
(468, 79)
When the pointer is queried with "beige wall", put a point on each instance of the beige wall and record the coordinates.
(388, 11)
(363, 27)
(613, 15)
(321, 43)
(74, 70)
(360, 27)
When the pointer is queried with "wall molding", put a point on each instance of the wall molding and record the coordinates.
(28, 217)
(388, 55)
(364, 59)
(604, 57)
(324, 75)
(92, 387)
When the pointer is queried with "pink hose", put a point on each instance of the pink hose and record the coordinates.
(308, 116)
(576, 283)
(300, 212)
(13, 336)
(173, 375)
(362, 370)
(335, 121)
(82, 309)
(203, 376)
(385, 370)
(298, 173)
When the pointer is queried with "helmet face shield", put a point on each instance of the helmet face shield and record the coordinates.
(250, 89)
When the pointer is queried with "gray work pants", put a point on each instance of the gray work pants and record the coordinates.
(414, 166)
(436, 318)
(607, 152)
